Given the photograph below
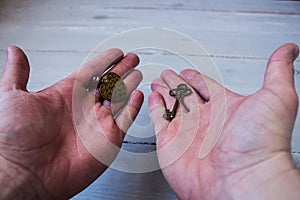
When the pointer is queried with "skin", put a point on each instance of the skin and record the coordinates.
(43, 157)
(41, 153)
(252, 157)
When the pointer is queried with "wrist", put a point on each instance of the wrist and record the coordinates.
(17, 183)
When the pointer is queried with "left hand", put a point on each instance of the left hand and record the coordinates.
(41, 153)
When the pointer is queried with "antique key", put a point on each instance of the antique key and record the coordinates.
(181, 91)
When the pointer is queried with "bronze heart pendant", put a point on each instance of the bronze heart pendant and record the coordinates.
(112, 88)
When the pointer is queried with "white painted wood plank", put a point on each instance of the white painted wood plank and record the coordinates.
(99, 16)
(258, 6)
(296, 159)
(240, 35)
(217, 43)
(263, 6)
(80, 29)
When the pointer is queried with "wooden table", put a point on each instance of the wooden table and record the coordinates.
(238, 35)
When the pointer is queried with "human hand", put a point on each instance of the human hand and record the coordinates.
(252, 157)
(41, 154)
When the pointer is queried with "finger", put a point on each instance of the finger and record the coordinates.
(173, 80)
(130, 111)
(204, 86)
(131, 81)
(102, 140)
(122, 68)
(109, 128)
(16, 70)
(157, 108)
(96, 66)
(279, 75)
(197, 81)
(130, 61)
(158, 85)
(214, 113)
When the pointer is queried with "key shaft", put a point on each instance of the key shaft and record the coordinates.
(181, 91)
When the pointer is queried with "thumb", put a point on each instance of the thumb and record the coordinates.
(16, 70)
(279, 76)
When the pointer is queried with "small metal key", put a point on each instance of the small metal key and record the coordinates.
(181, 91)
(169, 115)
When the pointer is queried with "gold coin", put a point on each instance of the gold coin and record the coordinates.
(112, 88)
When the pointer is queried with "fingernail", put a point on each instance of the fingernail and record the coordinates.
(8, 51)
(11, 51)
(295, 52)
(8, 54)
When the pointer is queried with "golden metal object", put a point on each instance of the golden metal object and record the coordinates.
(112, 88)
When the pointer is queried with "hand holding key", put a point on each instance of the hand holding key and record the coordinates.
(252, 158)
(41, 152)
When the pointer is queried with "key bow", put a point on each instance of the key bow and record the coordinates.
(181, 90)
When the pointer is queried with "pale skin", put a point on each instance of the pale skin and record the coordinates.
(41, 155)
(252, 158)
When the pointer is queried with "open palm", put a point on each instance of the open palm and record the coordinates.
(252, 153)
(39, 141)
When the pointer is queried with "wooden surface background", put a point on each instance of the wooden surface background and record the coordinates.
(238, 35)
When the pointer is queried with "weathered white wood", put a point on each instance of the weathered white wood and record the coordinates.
(230, 34)
(217, 42)
(296, 159)
(262, 6)
(102, 16)
(238, 35)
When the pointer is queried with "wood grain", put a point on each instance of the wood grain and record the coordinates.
(238, 35)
